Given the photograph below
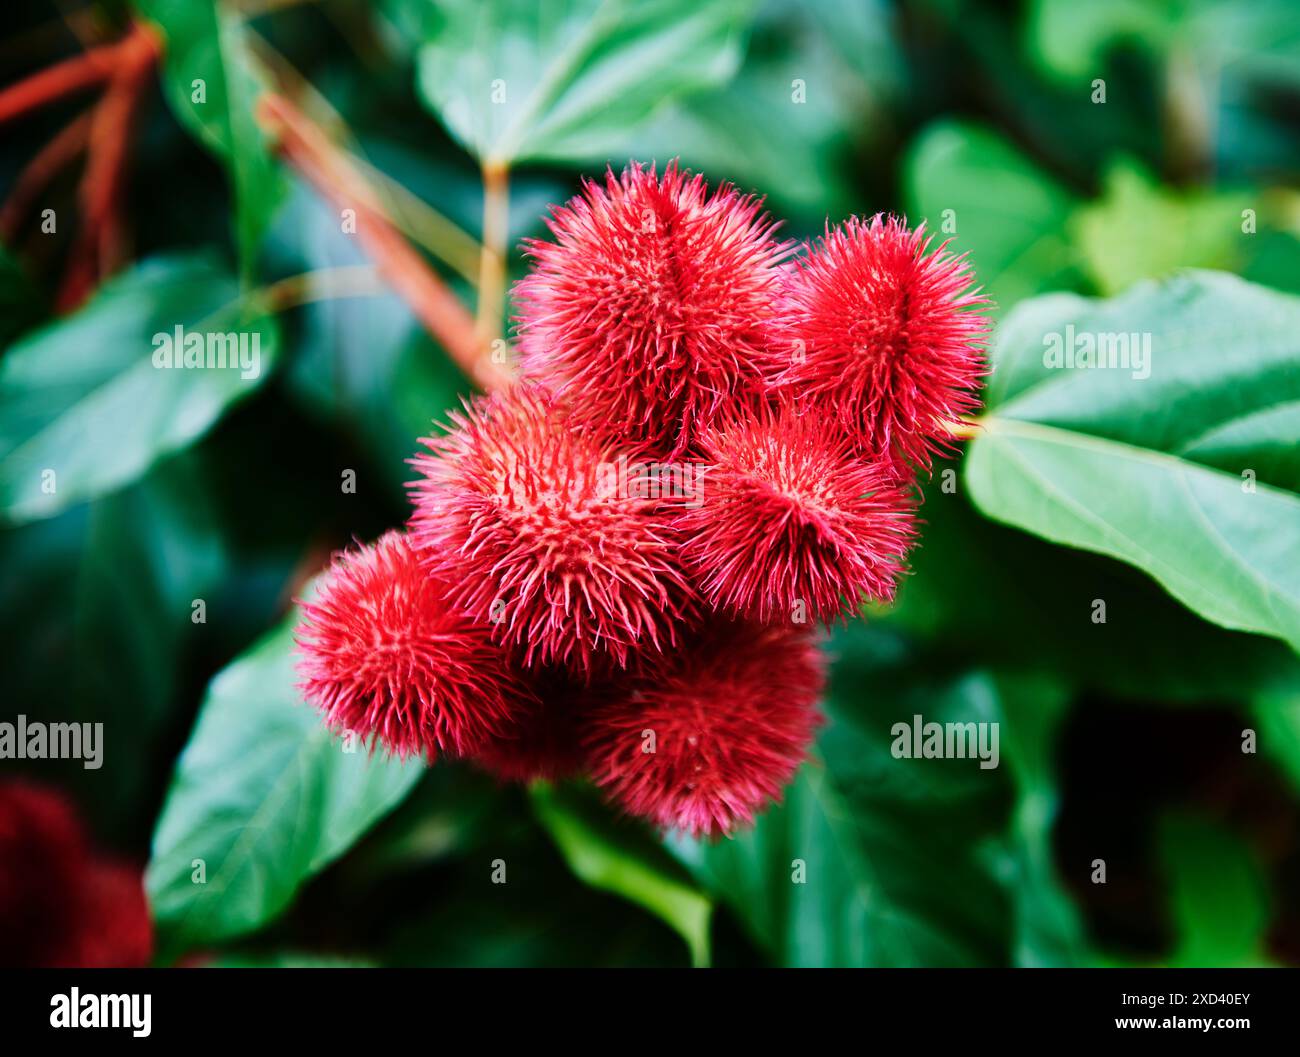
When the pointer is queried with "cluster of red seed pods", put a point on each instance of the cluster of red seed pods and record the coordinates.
(617, 565)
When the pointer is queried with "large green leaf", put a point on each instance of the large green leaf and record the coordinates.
(969, 183)
(212, 83)
(996, 597)
(265, 796)
(83, 408)
(515, 79)
(892, 851)
(619, 859)
(1183, 463)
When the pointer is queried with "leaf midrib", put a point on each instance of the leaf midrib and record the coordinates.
(549, 88)
(1179, 467)
(996, 423)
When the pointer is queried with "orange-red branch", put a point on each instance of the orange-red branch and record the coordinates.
(99, 251)
(110, 136)
(38, 173)
(306, 147)
(76, 74)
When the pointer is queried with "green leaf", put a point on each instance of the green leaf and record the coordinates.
(1138, 230)
(967, 182)
(865, 34)
(1071, 39)
(1258, 39)
(798, 161)
(1037, 618)
(83, 408)
(619, 859)
(1183, 463)
(265, 796)
(514, 80)
(211, 81)
(1217, 893)
(1277, 715)
(1048, 930)
(872, 860)
(148, 553)
(103, 596)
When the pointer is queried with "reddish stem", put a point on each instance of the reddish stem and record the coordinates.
(98, 251)
(38, 173)
(54, 82)
(302, 143)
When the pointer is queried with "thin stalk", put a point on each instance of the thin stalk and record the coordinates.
(410, 214)
(333, 175)
(321, 284)
(83, 71)
(426, 226)
(966, 430)
(40, 172)
(100, 246)
(492, 260)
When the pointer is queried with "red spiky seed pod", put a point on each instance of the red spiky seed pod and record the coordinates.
(63, 905)
(792, 524)
(385, 656)
(118, 932)
(705, 740)
(652, 307)
(42, 859)
(515, 509)
(888, 334)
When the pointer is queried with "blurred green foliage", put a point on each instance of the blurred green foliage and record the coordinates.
(1122, 741)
